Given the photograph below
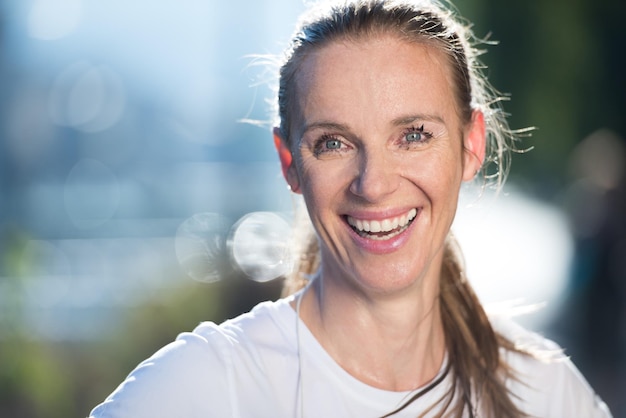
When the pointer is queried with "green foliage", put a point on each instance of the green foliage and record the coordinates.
(35, 380)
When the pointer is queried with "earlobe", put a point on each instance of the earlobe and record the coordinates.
(286, 161)
(474, 146)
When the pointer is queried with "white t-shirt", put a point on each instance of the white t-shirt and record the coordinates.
(262, 364)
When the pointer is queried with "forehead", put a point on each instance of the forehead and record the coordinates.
(384, 76)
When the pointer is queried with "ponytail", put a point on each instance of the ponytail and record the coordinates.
(473, 346)
(306, 252)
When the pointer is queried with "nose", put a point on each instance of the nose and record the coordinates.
(377, 177)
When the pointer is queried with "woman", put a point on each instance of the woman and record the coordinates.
(383, 115)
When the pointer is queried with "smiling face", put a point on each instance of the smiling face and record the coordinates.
(379, 153)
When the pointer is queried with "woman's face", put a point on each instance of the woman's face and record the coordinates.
(378, 154)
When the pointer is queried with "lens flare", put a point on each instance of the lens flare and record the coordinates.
(201, 246)
(259, 245)
(87, 97)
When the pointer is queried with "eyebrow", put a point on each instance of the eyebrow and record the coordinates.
(405, 120)
(326, 125)
(402, 120)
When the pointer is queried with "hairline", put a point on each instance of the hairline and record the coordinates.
(371, 34)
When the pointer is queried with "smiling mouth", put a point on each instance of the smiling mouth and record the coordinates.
(382, 229)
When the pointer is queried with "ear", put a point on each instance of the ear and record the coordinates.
(286, 161)
(474, 144)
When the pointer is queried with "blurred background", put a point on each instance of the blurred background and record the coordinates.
(136, 198)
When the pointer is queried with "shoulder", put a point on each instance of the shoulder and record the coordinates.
(194, 375)
(546, 382)
(257, 322)
(268, 326)
(168, 383)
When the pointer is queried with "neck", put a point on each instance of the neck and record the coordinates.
(393, 342)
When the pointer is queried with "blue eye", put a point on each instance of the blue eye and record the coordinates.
(416, 135)
(330, 145)
(413, 136)
(333, 144)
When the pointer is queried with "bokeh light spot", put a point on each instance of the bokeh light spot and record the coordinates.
(86, 97)
(517, 249)
(201, 246)
(260, 246)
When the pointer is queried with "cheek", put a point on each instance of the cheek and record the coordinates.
(324, 184)
(316, 185)
(436, 172)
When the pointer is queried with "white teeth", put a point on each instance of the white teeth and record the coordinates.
(386, 225)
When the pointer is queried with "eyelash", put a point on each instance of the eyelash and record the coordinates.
(425, 136)
(319, 147)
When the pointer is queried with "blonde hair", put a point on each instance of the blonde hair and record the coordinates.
(473, 347)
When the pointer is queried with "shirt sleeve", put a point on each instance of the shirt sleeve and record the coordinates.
(548, 383)
(558, 389)
(187, 378)
(577, 396)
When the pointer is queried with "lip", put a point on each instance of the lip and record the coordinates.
(381, 246)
